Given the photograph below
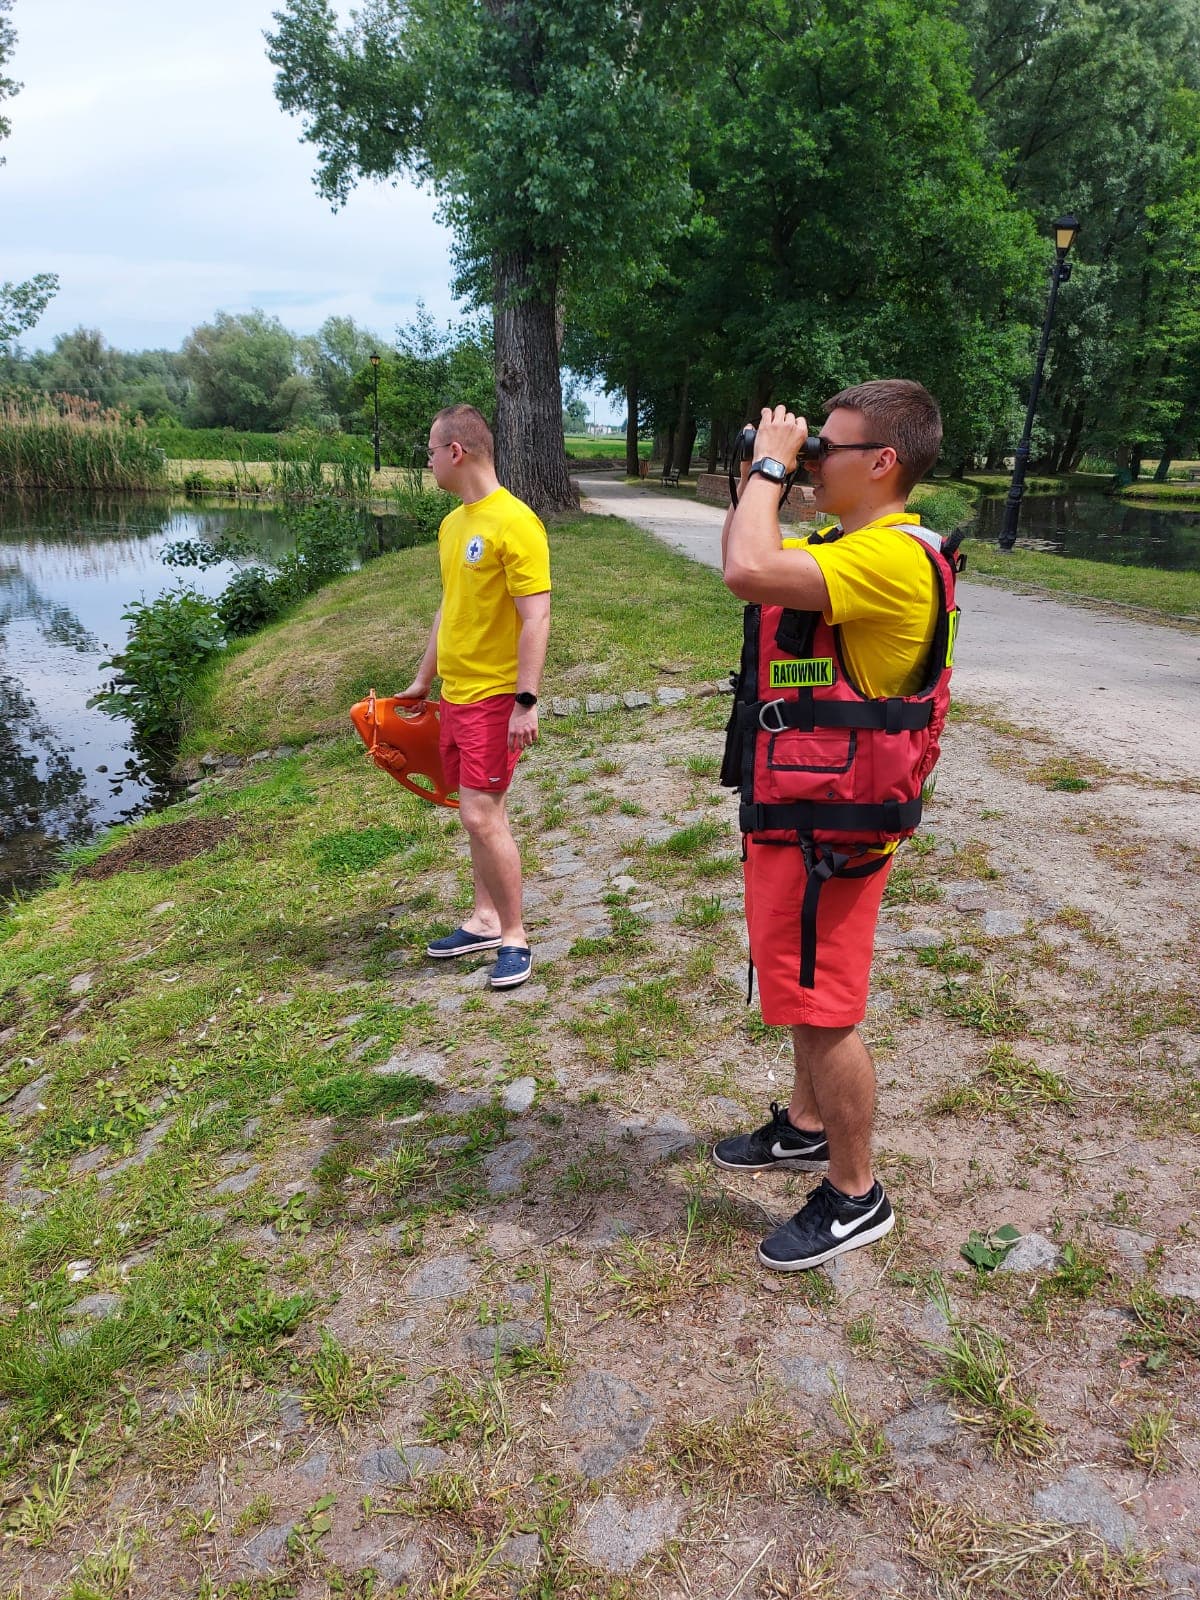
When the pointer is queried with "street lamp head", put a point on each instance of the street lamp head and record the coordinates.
(1065, 229)
(375, 361)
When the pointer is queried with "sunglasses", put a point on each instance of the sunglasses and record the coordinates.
(815, 448)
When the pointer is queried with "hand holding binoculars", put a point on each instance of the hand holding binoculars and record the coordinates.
(810, 450)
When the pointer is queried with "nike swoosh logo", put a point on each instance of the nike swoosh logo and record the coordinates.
(782, 1154)
(839, 1230)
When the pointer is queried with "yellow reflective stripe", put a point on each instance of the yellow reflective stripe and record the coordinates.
(951, 637)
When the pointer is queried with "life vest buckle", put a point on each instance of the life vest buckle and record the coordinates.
(775, 724)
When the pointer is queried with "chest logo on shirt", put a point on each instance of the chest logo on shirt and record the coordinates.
(816, 672)
(474, 551)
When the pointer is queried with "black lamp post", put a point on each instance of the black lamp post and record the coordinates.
(1065, 230)
(375, 390)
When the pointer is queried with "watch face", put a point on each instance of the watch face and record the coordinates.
(770, 468)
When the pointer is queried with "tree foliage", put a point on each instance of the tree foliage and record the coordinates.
(551, 135)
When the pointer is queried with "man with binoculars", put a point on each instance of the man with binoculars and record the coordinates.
(841, 696)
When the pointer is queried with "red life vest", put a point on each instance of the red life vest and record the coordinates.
(820, 764)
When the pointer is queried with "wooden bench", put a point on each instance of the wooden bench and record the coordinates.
(670, 477)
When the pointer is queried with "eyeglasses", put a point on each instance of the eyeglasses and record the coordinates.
(432, 450)
(817, 448)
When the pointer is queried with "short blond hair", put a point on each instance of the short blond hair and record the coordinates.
(901, 413)
(469, 427)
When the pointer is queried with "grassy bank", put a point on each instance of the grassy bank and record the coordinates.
(326, 1272)
(1173, 594)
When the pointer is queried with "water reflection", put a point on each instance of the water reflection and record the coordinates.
(1097, 528)
(68, 569)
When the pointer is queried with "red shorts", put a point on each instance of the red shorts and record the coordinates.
(473, 743)
(847, 911)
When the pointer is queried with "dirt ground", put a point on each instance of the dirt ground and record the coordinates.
(594, 1390)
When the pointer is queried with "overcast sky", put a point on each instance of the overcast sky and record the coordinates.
(151, 168)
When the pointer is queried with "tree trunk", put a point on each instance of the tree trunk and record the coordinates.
(682, 429)
(632, 462)
(716, 432)
(530, 459)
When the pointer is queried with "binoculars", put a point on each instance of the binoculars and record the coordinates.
(810, 450)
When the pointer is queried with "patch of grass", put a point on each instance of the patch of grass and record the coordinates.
(343, 1387)
(1009, 1085)
(1149, 1439)
(697, 839)
(357, 849)
(701, 911)
(979, 1378)
(475, 1412)
(907, 886)
(1084, 923)
(651, 1278)
(1168, 1326)
(976, 1557)
(986, 1006)
(1171, 593)
(43, 1510)
(645, 1023)
(948, 958)
(215, 1421)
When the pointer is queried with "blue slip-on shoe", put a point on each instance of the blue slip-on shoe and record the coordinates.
(462, 943)
(514, 963)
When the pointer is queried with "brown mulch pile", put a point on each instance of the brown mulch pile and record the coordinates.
(161, 847)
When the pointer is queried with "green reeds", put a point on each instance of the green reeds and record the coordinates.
(67, 443)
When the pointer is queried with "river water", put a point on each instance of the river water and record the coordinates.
(68, 569)
(1096, 528)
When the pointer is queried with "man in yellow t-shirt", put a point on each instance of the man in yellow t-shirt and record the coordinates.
(488, 645)
(878, 586)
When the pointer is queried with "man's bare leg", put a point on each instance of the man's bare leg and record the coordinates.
(496, 866)
(834, 1089)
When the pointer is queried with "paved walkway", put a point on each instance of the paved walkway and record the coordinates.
(1102, 683)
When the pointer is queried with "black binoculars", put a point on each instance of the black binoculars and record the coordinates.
(810, 450)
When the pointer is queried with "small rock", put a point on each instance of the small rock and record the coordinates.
(670, 696)
(634, 699)
(659, 1140)
(238, 1182)
(81, 982)
(595, 703)
(615, 1537)
(502, 1338)
(564, 707)
(443, 1278)
(503, 1166)
(1080, 1500)
(419, 1064)
(913, 1434)
(1032, 1253)
(917, 939)
(94, 1307)
(268, 1548)
(522, 1552)
(1002, 924)
(810, 1376)
(607, 1418)
(282, 751)
(973, 901)
(314, 1468)
(623, 883)
(29, 1098)
(518, 1096)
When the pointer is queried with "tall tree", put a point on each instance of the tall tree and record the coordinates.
(244, 371)
(551, 135)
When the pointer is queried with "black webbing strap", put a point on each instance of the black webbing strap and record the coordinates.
(835, 816)
(807, 713)
(824, 867)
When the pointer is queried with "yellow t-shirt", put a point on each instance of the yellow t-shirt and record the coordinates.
(884, 596)
(491, 551)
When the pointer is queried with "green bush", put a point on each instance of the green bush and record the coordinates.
(228, 444)
(170, 640)
(422, 508)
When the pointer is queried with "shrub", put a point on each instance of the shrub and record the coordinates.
(250, 600)
(170, 640)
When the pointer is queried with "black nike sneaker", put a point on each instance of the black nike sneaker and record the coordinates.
(775, 1144)
(827, 1225)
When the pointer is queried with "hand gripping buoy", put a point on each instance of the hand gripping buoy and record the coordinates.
(401, 737)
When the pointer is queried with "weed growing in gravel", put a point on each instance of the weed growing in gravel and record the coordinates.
(1149, 1438)
(343, 1386)
(215, 1421)
(1168, 1326)
(977, 1557)
(979, 1376)
(651, 1278)
(987, 1006)
(39, 1514)
(1009, 1085)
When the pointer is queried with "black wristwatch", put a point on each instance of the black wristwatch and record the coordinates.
(769, 468)
(526, 699)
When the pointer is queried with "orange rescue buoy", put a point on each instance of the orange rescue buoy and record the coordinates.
(401, 737)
